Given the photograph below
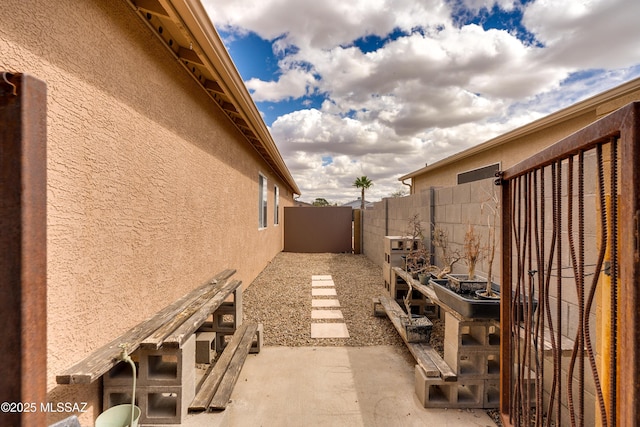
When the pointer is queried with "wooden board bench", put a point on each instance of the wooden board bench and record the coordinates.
(427, 358)
(219, 381)
(171, 326)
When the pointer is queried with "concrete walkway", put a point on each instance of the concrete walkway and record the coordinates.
(333, 387)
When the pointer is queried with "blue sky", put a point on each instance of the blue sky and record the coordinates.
(381, 87)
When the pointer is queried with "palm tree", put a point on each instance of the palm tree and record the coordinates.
(363, 183)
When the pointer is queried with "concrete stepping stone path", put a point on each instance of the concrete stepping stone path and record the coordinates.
(323, 286)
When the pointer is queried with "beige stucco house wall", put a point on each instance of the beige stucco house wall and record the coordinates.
(152, 180)
(513, 147)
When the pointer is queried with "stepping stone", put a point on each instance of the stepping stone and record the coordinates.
(321, 277)
(325, 283)
(329, 330)
(326, 314)
(325, 303)
(323, 292)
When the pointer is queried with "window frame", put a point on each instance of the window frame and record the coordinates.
(263, 201)
(276, 205)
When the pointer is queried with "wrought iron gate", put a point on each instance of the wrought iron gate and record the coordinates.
(570, 279)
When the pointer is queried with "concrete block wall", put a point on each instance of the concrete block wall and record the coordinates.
(390, 217)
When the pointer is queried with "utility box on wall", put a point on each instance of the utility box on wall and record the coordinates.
(318, 229)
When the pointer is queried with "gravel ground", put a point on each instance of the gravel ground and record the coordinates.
(280, 298)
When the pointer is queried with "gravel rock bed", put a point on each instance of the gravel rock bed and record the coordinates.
(280, 299)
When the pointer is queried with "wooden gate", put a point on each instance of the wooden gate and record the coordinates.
(570, 221)
(318, 229)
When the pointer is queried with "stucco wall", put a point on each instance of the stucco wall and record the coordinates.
(151, 190)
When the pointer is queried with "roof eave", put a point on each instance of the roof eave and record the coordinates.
(206, 53)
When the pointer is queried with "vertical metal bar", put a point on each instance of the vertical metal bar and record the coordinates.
(506, 362)
(557, 354)
(629, 360)
(614, 282)
(583, 316)
(23, 246)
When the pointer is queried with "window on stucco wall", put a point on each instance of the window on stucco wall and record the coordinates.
(262, 202)
(276, 205)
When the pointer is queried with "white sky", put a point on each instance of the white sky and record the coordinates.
(428, 94)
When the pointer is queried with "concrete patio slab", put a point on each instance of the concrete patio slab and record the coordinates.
(329, 330)
(333, 387)
(326, 314)
(325, 303)
(322, 283)
(323, 292)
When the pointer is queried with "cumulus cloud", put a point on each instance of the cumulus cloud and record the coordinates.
(439, 85)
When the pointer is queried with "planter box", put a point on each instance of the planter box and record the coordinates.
(419, 330)
(468, 305)
(460, 284)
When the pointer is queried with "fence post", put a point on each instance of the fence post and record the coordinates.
(23, 299)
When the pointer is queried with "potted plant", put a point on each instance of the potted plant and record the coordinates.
(417, 328)
(467, 283)
(488, 292)
(440, 240)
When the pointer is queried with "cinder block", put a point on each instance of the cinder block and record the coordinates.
(168, 366)
(224, 318)
(478, 364)
(478, 335)
(222, 339)
(205, 346)
(378, 310)
(121, 374)
(436, 393)
(491, 394)
(158, 404)
(165, 405)
(256, 345)
(118, 395)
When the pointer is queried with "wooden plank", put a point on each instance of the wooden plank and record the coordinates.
(104, 358)
(427, 290)
(394, 312)
(189, 55)
(214, 376)
(152, 6)
(417, 349)
(428, 359)
(222, 395)
(182, 333)
(171, 324)
(446, 373)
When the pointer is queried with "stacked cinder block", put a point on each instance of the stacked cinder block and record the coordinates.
(420, 304)
(165, 384)
(224, 322)
(472, 350)
(395, 247)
